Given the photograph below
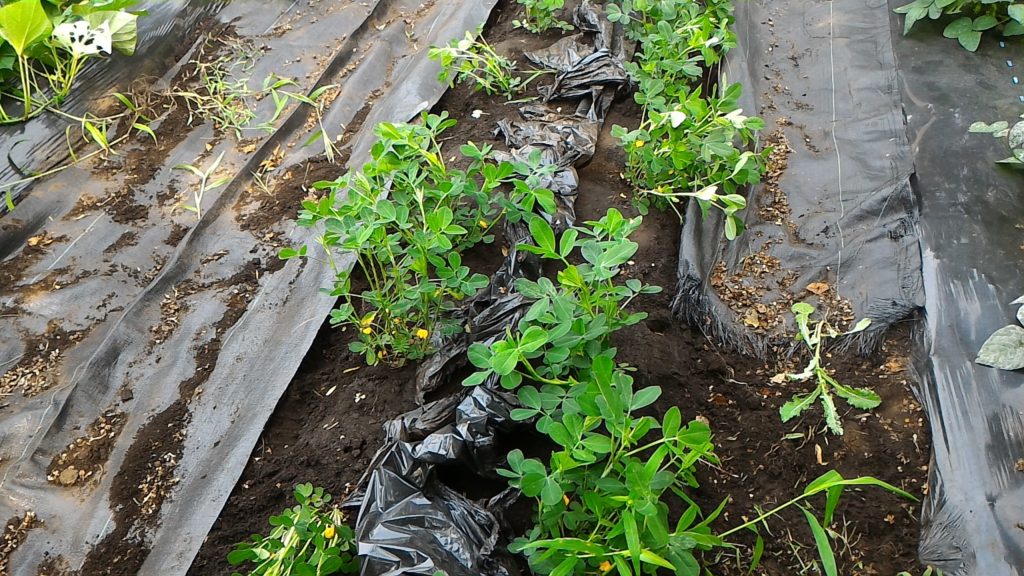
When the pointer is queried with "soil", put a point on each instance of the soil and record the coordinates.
(325, 431)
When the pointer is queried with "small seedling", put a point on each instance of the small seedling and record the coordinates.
(310, 538)
(540, 16)
(472, 59)
(221, 92)
(318, 100)
(813, 334)
(206, 184)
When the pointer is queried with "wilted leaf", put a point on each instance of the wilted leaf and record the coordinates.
(1004, 349)
(818, 288)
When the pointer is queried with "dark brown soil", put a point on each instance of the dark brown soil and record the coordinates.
(86, 456)
(320, 433)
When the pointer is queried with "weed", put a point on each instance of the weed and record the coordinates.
(813, 335)
(309, 538)
(222, 94)
(206, 183)
(472, 59)
(318, 100)
(540, 16)
(130, 122)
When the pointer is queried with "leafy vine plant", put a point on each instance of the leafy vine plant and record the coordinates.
(44, 45)
(970, 18)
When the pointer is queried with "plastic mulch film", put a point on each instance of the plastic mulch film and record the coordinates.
(409, 522)
(971, 245)
(834, 223)
(144, 346)
(850, 103)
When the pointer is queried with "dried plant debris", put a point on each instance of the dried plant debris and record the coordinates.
(85, 458)
(172, 308)
(160, 477)
(39, 368)
(745, 291)
(15, 532)
(775, 207)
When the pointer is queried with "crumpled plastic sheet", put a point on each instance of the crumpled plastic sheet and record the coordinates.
(824, 75)
(408, 521)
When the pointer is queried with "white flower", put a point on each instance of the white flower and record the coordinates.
(477, 114)
(83, 40)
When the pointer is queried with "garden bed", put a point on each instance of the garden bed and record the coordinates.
(328, 425)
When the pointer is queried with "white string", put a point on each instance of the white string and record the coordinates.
(835, 142)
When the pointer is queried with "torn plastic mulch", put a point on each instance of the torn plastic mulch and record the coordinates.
(128, 321)
(409, 522)
(834, 223)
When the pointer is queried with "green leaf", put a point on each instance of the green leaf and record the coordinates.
(986, 22)
(566, 567)
(1013, 28)
(505, 361)
(632, 537)
(797, 404)
(755, 559)
(1016, 11)
(1004, 349)
(645, 397)
(551, 493)
(970, 40)
(24, 23)
(543, 235)
(958, 27)
(828, 559)
(863, 398)
(651, 558)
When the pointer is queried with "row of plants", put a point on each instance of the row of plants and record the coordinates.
(692, 140)
(45, 44)
(602, 495)
(406, 217)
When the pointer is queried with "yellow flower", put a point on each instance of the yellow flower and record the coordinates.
(367, 330)
(605, 566)
(329, 532)
(639, 143)
(483, 224)
(368, 319)
(422, 334)
(565, 499)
